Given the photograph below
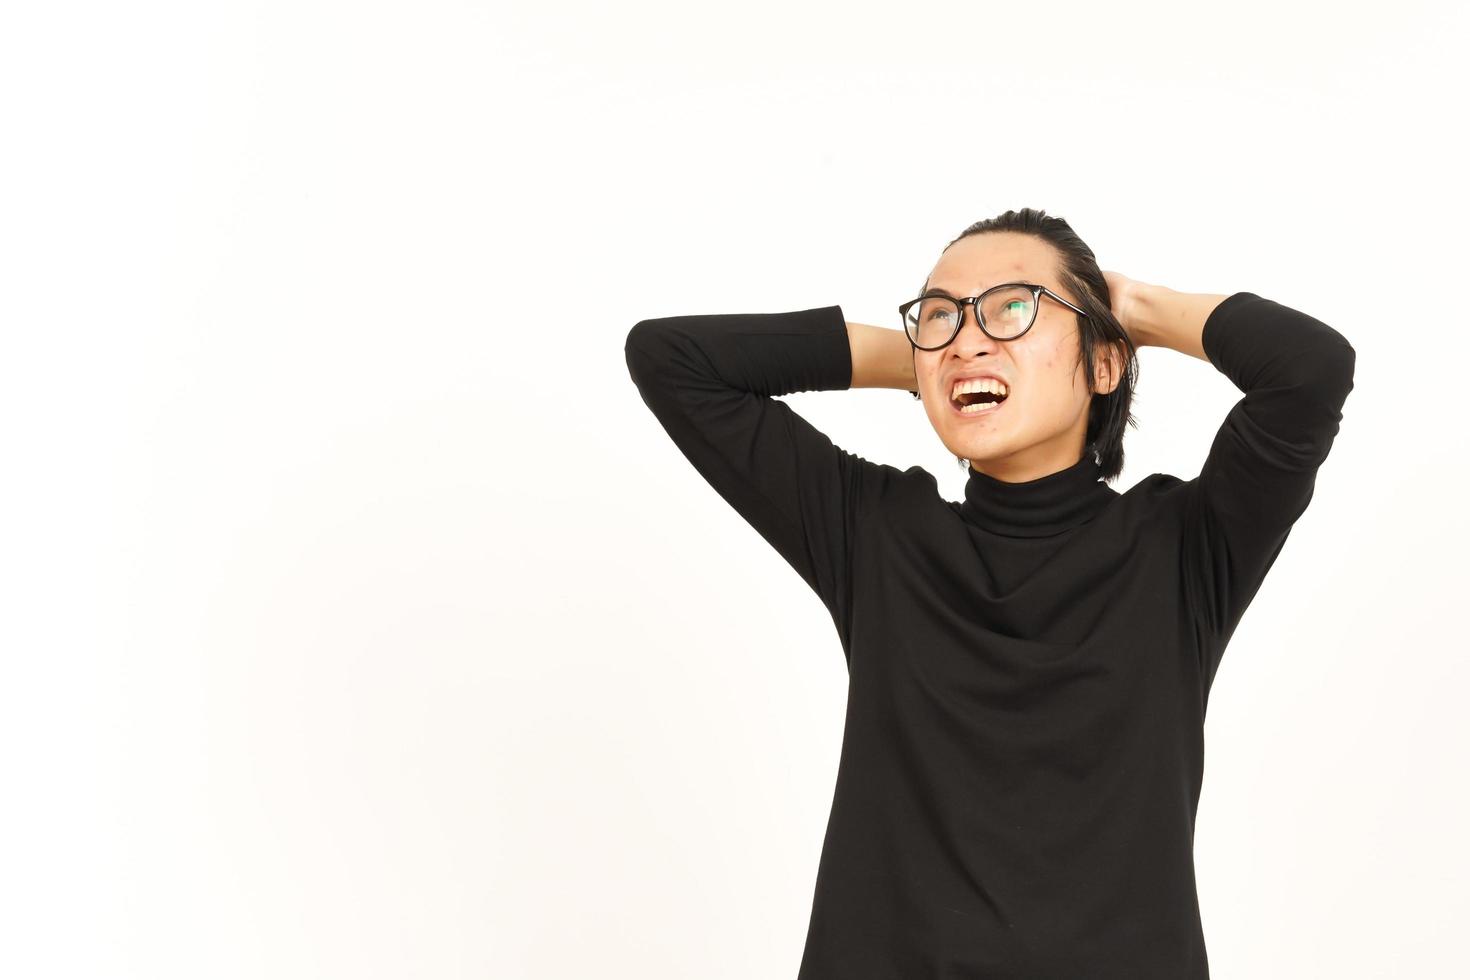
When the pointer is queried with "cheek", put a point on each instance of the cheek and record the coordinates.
(928, 377)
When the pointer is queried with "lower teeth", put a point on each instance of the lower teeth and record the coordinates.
(978, 407)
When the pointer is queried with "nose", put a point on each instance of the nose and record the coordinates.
(971, 339)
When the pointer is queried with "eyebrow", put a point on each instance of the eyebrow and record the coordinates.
(940, 291)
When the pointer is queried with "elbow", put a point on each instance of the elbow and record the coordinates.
(636, 349)
(651, 334)
(640, 336)
(1338, 371)
(1324, 369)
(649, 348)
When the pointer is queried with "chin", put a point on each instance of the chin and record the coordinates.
(977, 450)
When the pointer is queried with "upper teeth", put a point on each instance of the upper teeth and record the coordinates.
(979, 384)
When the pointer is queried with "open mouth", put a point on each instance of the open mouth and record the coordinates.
(975, 403)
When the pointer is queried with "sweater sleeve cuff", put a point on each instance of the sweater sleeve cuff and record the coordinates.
(814, 353)
(832, 367)
(1216, 333)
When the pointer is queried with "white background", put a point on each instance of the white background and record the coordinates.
(358, 619)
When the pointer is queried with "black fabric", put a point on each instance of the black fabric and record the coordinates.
(1029, 668)
(1038, 508)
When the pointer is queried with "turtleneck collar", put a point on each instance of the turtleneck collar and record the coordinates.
(1037, 508)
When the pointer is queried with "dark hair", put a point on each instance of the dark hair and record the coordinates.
(1080, 275)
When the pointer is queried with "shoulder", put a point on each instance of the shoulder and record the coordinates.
(1156, 498)
(1155, 487)
(911, 489)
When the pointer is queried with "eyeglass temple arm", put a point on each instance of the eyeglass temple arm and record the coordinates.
(1060, 300)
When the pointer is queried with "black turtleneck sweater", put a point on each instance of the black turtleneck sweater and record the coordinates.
(1028, 669)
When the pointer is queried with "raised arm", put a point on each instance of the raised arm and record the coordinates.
(1260, 474)
(882, 357)
(710, 382)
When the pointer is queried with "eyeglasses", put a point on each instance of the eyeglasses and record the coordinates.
(1005, 312)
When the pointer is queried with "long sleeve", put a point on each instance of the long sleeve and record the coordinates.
(1260, 474)
(709, 380)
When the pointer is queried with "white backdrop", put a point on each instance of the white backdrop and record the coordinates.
(358, 619)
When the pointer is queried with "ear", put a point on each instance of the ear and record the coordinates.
(1108, 366)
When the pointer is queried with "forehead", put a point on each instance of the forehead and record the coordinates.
(976, 263)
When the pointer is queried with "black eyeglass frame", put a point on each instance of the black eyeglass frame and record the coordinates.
(974, 302)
